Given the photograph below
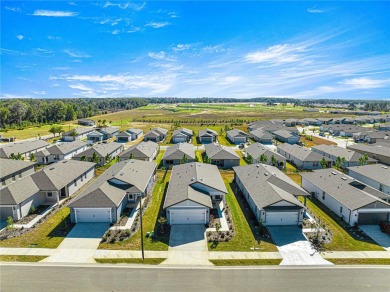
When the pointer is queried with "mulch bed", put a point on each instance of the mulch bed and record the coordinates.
(125, 216)
(30, 217)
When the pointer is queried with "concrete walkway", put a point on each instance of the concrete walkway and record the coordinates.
(374, 231)
(294, 247)
(80, 245)
(124, 254)
(225, 255)
(187, 246)
(36, 219)
(356, 254)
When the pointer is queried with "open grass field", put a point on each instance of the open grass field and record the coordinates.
(33, 132)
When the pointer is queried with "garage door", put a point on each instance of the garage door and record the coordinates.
(194, 216)
(180, 139)
(372, 218)
(281, 218)
(93, 215)
(207, 139)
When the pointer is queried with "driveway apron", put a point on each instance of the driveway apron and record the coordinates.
(294, 247)
(80, 244)
(187, 246)
(374, 231)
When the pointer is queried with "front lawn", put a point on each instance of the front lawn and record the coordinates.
(246, 233)
(151, 215)
(47, 235)
(342, 240)
(159, 157)
(147, 261)
(246, 262)
(360, 261)
(21, 258)
(242, 160)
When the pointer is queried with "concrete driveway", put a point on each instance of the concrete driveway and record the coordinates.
(294, 247)
(187, 246)
(80, 244)
(374, 231)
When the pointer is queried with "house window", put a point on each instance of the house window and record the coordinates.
(56, 157)
(49, 194)
(81, 178)
(20, 175)
(217, 197)
(75, 182)
(341, 209)
(13, 177)
(323, 195)
(130, 197)
(85, 175)
(381, 188)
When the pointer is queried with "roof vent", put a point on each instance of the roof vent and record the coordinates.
(192, 179)
(51, 168)
(258, 166)
(344, 178)
(201, 179)
(266, 174)
(334, 173)
(384, 167)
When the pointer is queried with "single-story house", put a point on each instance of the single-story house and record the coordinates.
(156, 135)
(376, 176)
(375, 151)
(86, 122)
(45, 187)
(376, 136)
(146, 151)
(23, 148)
(286, 137)
(182, 135)
(333, 151)
(261, 136)
(256, 150)
(95, 137)
(302, 157)
(237, 136)
(80, 133)
(123, 137)
(120, 186)
(178, 154)
(60, 151)
(384, 127)
(207, 136)
(313, 122)
(101, 151)
(194, 189)
(108, 132)
(291, 122)
(348, 198)
(271, 195)
(13, 170)
(222, 156)
(135, 133)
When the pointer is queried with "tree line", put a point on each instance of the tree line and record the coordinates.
(17, 113)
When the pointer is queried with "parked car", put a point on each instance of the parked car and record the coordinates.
(322, 134)
(385, 227)
(241, 146)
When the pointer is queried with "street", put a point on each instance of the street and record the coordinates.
(44, 277)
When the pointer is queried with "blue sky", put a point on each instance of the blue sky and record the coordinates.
(193, 49)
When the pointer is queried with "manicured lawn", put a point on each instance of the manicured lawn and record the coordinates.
(290, 168)
(103, 168)
(21, 258)
(246, 262)
(150, 223)
(363, 261)
(242, 161)
(199, 155)
(147, 261)
(47, 235)
(223, 140)
(296, 177)
(246, 234)
(342, 240)
(159, 157)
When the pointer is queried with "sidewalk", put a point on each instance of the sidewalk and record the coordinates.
(356, 254)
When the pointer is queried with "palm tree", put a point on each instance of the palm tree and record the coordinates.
(32, 157)
(263, 158)
(108, 158)
(83, 158)
(274, 162)
(184, 159)
(73, 134)
(131, 156)
(162, 222)
(95, 158)
(249, 159)
(323, 163)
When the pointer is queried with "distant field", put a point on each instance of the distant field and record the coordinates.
(35, 131)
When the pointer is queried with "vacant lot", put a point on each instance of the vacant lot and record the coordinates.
(314, 141)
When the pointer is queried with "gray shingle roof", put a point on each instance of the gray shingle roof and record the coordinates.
(338, 185)
(236, 133)
(256, 150)
(177, 151)
(284, 134)
(123, 134)
(134, 176)
(183, 177)
(261, 134)
(23, 147)
(267, 185)
(79, 131)
(18, 191)
(374, 148)
(140, 150)
(377, 172)
(134, 130)
(333, 150)
(109, 130)
(101, 150)
(215, 151)
(9, 166)
(57, 175)
(208, 133)
(184, 131)
(65, 148)
(302, 153)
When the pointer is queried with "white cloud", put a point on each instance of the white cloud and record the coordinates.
(75, 54)
(20, 37)
(155, 24)
(182, 47)
(116, 31)
(172, 14)
(315, 10)
(276, 54)
(366, 83)
(160, 56)
(14, 9)
(53, 38)
(72, 3)
(54, 13)
(134, 29)
(15, 96)
(81, 87)
(125, 5)
(39, 92)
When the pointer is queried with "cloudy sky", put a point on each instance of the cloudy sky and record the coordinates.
(193, 49)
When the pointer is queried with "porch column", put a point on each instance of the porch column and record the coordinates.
(58, 197)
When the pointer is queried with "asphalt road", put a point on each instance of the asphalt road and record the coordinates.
(38, 277)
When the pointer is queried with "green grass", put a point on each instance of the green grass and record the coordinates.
(32, 132)
(246, 262)
(342, 240)
(150, 223)
(199, 155)
(147, 261)
(362, 261)
(244, 238)
(21, 258)
(159, 157)
(103, 168)
(242, 161)
(47, 235)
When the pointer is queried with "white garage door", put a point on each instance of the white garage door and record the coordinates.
(93, 215)
(180, 139)
(193, 216)
(281, 218)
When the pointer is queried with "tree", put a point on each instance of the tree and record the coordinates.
(99, 121)
(83, 158)
(274, 162)
(162, 222)
(323, 163)
(4, 112)
(108, 158)
(16, 157)
(184, 159)
(363, 160)
(131, 156)
(53, 130)
(32, 157)
(73, 134)
(95, 158)
(206, 159)
(263, 158)
(18, 110)
(104, 123)
(338, 162)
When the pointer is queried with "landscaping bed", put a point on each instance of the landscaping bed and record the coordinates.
(124, 217)
(32, 215)
(221, 236)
